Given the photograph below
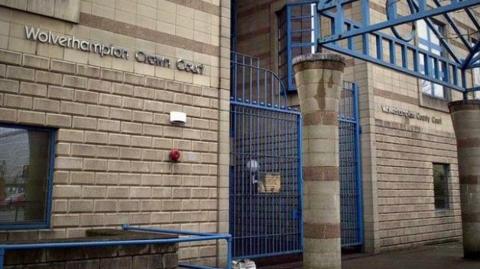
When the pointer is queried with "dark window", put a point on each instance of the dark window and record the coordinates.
(440, 185)
(26, 164)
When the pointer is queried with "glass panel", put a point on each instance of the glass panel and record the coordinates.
(24, 167)
(435, 51)
(422, 29)
(440, 185)
(433, 38)
(438, 90)
(426, 86)
(476, 76)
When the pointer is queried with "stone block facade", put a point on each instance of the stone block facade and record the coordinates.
(111, 116)
(121, 257)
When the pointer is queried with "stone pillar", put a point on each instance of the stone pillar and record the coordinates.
(319, 80)
(466, 123)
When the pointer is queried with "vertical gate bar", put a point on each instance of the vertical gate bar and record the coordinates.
(300, 177)
(243, 79)
(265, 74)
(242, 180)
(265, 201)
(258, 86)
(250, 176)
(251, 83)
(232, 176)
(272, 90)
(270, 200)
(358, 164)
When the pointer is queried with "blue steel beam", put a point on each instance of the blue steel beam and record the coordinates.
(454, 6)
(454, 27)
(405, 46)
(472, 18)
(469, 59)
(417, 8)
(326, 5)
(414, 73)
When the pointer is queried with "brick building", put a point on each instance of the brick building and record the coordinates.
(88, 86)
(407, 140)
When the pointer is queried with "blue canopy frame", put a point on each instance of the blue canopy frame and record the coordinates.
(448, 70)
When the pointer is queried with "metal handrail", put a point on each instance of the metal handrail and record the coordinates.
(193, 237)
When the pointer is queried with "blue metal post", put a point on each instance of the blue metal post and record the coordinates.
(300, 175)
(358, 158)
(289, 51)
(2, 257)
(229, 252)
(365, 11)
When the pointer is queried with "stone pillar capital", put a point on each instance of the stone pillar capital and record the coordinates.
(319, 61)
(464, 105)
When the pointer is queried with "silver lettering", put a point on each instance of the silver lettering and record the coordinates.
(31, 33)
(84, 45)
(43, 37)
(75, 43)
(140, 56)
(53, 38)
(95, 47)
(36, 34)
(105, 50)
(117, 52)
(62, 41)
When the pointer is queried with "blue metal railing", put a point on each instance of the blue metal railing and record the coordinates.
(192, 237)
(351, 202)
(265, 143)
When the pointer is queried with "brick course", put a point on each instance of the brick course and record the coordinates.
(113, 140)
(407, 216)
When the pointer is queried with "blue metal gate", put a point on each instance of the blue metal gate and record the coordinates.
(350, 168)
(265, 164)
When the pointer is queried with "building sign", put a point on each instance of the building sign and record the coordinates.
(108, 50)
(270, 183)
(410, 114)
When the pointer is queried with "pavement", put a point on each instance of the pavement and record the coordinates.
(441, 256)
(448, 256)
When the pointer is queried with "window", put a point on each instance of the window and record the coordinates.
(26, 167)
(295, 36)
(476, 81)
(440, 185)
(427, 40)
(476, 73)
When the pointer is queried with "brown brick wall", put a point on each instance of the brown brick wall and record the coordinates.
(407, 214)
(112, 146)
(254, 30)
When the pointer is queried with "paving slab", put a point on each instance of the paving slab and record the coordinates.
(441, 256)
(448, 256)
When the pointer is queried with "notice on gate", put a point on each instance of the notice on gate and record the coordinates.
(270, 183)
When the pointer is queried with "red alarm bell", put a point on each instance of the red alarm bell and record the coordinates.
(174, 155)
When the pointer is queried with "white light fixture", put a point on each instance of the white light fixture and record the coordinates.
(178, 117)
